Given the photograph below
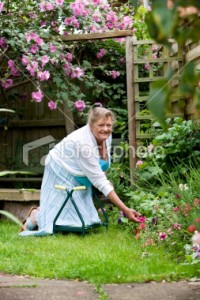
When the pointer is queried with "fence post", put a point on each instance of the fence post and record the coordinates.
(131, 105)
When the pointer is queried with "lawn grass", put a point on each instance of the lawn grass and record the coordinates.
(103, 256)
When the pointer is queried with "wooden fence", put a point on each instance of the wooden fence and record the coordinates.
(31, 121)
(192, 54)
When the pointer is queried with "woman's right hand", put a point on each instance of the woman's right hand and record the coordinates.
(132, 215)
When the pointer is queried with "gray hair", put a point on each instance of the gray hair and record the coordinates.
(96, 113)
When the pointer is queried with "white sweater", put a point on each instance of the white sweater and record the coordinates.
(78, 154)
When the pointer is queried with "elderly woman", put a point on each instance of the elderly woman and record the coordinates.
(81, 158)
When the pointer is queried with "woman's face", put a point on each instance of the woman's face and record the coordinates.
(102, 128)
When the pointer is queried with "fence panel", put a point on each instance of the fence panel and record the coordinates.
(192, 54)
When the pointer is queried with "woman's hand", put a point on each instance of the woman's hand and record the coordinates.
(132, 215)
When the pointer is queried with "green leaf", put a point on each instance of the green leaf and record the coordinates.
(197, 99)
(57, 80)
(161, 21)
(7, 110)
(11, 217)
(4, 173)
(188, 79)
(157, 101)
(124, 220)
(86, 64)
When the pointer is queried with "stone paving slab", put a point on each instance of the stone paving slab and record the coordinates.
(26, 288)
(182, 290)
(13, 287)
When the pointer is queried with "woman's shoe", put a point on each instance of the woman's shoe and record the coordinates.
(27, 224)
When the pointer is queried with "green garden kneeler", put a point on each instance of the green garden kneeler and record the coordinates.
(84, 228)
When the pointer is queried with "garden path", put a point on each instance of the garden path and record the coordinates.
(13, 287)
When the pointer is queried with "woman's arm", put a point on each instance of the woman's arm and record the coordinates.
(131, 214)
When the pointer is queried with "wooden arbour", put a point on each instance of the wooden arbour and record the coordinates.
(128, 35)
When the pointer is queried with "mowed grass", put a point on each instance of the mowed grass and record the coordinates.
(103, 256)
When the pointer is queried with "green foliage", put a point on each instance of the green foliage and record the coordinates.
(171, 154)
(159, 95)
(181, 138)
(161, 22)
(172, 212)
(140, 25)
(180, 22)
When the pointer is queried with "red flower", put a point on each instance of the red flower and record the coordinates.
(162, 236)
(141, 226)
(141, 219)
(178, 196)
(137, 236)
(175, 209)
(149, 242)
(191, 228)
(196, 201)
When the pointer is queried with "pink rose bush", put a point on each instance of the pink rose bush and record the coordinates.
(35, 50)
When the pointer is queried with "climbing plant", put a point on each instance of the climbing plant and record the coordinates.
(74, 73)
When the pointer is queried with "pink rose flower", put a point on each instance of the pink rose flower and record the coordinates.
(1, 6)
(42, 76)
(79, 105)
(59, 2)
(37, 96)
(139, 163)
(69, 57)
(101, 53)
(52, 48)
(3, 42)
(6, 83)
(24, 60)
(52, 105)
(44, 60)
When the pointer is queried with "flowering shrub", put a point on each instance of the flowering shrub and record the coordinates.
(32, 48)
(171, 153)
(170, 217)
